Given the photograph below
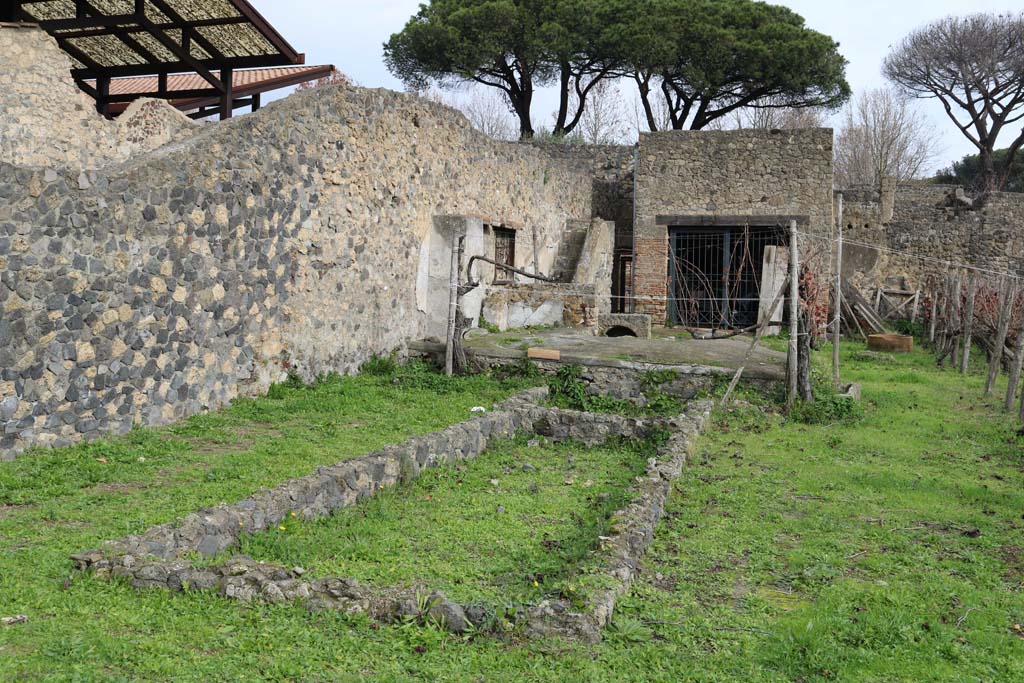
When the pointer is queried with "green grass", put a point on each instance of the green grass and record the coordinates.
(488, 530)
(880, 550)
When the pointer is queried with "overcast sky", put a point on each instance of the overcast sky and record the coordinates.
(350, 33)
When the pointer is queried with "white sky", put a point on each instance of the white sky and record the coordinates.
(350, 35)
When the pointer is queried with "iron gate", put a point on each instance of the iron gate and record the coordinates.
(715, 274)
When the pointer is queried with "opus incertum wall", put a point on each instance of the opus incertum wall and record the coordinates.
(287, 240)
(890, 227)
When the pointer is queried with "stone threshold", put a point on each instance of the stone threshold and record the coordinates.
(160, 558)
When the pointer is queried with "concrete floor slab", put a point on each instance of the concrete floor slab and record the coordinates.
(666, 348)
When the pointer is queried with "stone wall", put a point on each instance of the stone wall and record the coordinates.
(288, 240)
(613, 168)
(931, 225)
(711, 176)
(46, 120)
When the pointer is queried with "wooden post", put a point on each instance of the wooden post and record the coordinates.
(968, 323)
(762, 328)
(837, 323)
(1015, 368)
(103, 95)
(956, 318)
(453, 306)
(794, 316)
(1007, 293)
(227, 98)
(933, 285)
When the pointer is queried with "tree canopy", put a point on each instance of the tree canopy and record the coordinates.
(974, 66)
(709, 58)
(706, 58)
(969, 172)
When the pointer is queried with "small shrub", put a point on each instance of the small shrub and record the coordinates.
(568, 385)
(910, 329)
(489, 327)
(380, 366)
(828, 409)
(280, 390)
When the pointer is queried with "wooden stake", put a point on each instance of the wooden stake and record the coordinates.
(1015, 368)
(1007, 293)
(836, 332)
(968, 324)
(794, 316)
(765, 324)
(453, 306)
(935, 311)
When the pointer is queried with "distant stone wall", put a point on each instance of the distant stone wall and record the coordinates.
(288, 240)
(715, 175)
(46, 120)
(907, 232)
(612, 169)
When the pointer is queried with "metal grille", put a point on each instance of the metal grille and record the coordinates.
(716, 274)
(622, 293)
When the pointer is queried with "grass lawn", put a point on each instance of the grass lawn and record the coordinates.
(889, 549)
(485, 531)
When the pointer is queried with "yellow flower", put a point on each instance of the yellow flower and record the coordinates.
(293, 514)
(282, 528)
(535, 583)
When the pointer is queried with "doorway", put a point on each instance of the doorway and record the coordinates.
(715, 274)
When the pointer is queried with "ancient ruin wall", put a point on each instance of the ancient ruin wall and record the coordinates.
(720, 174)
(288, 240)
(46, 120)
(922, 227)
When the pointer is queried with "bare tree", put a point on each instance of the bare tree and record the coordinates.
(882, 135)
(487, 110)
(974, 66)
(604, 120)
(773, 115)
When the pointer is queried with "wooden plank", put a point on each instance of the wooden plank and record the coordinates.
(544, 354)
(774, 272)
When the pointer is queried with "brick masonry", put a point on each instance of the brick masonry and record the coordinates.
(711, 174)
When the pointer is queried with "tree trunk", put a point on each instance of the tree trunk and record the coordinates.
(563, 101)
(989, 175)
(643, 84)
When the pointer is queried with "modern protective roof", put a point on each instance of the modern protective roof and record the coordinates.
(191, 91)
(179, 50)
(112, 38)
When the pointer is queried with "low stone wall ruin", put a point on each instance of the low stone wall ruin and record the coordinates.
(158, 559)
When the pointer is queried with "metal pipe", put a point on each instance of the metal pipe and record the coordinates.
(475, 283)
